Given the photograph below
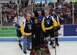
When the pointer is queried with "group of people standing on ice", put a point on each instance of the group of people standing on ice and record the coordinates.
(37, 31)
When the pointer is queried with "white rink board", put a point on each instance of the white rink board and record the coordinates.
(61, 31)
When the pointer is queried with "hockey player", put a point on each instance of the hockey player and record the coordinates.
(17, 22)
(26, 30)
(48, 23)
(57, 28)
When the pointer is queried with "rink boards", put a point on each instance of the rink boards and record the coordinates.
(66, 33)
(14, 39)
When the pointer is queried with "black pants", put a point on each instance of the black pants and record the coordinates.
(19, 34)
(49, 33)
(56, 37)
(38, 40)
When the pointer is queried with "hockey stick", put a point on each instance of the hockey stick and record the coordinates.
(55, 46)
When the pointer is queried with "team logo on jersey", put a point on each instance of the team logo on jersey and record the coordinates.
(30, 26)
(48, 21)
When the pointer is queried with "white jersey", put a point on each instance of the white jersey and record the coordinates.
(19, 20)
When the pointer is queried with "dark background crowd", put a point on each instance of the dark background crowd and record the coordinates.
(64, 10)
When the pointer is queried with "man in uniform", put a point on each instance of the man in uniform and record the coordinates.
(48, 23)
(26, 30)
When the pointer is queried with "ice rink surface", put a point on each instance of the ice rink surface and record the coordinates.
(65, 48)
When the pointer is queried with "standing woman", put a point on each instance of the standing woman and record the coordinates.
(26, 30)
(38, 43)
(37, 38)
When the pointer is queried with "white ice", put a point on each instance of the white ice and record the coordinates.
(65, 48)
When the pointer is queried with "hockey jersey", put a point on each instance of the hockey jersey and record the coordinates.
(26, 28)
(48, 23)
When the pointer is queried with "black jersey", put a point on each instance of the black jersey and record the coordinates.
(48, 21)
(28, 26)
(37, 28)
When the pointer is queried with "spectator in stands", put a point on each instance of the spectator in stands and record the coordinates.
(40, 17)
(33, 17)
